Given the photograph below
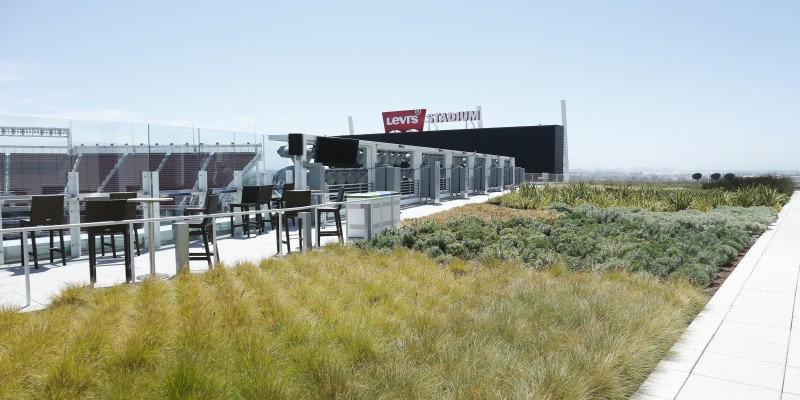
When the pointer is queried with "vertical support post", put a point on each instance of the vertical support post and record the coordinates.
(150, 189)
(565, 170)
(151, 246)
(306, 227)
(279, 232)
(74, 210)
(487, 170)
(2, 248)
(300, 172)
(180, 231)
(27, 267)
(214, 239)
(350, 123)
(448, 170)
(370, 159)
(416, 163)
(471, 174)
(480, 118)
(156, 208)
(202, 181)
(132, 240)
(238, 178)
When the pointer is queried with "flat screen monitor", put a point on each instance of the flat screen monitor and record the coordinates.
(336, 152)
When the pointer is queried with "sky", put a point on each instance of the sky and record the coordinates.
(709, 86)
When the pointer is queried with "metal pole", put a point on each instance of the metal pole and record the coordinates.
(214, 238)
(132, 239)
(27, 268)
(350, 122)
(151, 240)
(565, 161)
(280, 229)
(306, 227)
(181, 233)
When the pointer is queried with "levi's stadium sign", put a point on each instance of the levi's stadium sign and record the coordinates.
(414, 120)
(404, 121)
(455, 116)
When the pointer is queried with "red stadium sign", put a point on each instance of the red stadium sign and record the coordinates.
(404, 121)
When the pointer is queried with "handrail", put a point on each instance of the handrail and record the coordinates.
(178, 218)
(130, 222)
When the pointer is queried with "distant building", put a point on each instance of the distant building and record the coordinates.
(537, 149)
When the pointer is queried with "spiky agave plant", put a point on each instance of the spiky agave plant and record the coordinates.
(679, 199)
(769, 197)
(744, 197)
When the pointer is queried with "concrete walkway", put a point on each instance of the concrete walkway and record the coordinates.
(745, 344)
(50, 279)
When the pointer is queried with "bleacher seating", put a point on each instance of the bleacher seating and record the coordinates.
(128, 178)
(220, 169)
(38, 173)
(180, 170)
(46, 173)
(93, 168)
(2, 171)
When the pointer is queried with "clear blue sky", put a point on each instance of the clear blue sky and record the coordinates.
(697, 85)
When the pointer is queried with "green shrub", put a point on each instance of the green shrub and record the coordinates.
(664, 244)
(562, 198)
(782, 184)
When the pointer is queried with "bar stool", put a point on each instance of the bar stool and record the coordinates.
(294, 199)
(102, 211)
(129, 214)
(250, 199)
(203, 226)
(45, 210)
(264, 198)
(337, 216)
(279, 201)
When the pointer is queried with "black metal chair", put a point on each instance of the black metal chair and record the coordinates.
(203, 226)
(294, 199)
(250, 199)
(279, 200)
(129, 214)
(102, 211)
(45, 210)
(337, 216)
(200, 207)
(264, 199)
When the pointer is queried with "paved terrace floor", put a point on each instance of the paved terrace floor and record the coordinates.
(745, 344)
(50, 279)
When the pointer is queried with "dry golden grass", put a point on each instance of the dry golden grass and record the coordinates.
(342, 323)
(485, 211)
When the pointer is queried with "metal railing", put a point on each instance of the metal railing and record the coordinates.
(158, 221)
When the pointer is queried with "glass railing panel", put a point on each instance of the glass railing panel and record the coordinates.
(231, 151)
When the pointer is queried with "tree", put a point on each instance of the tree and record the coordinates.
(729, 176)
(715, 176)
(696, 176)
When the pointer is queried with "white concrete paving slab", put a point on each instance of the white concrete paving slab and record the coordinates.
(748, 336)
(699, 387)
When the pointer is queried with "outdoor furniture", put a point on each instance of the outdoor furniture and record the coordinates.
(107, 210)
(151, 228)
(280, 199)
(129, 214)
(337, 216)
(203, 226)
(294, 199)
(264, 198)
(200, 206)
(250, 199)
(45, 210)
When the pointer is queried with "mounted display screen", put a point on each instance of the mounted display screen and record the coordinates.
(336, 152)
